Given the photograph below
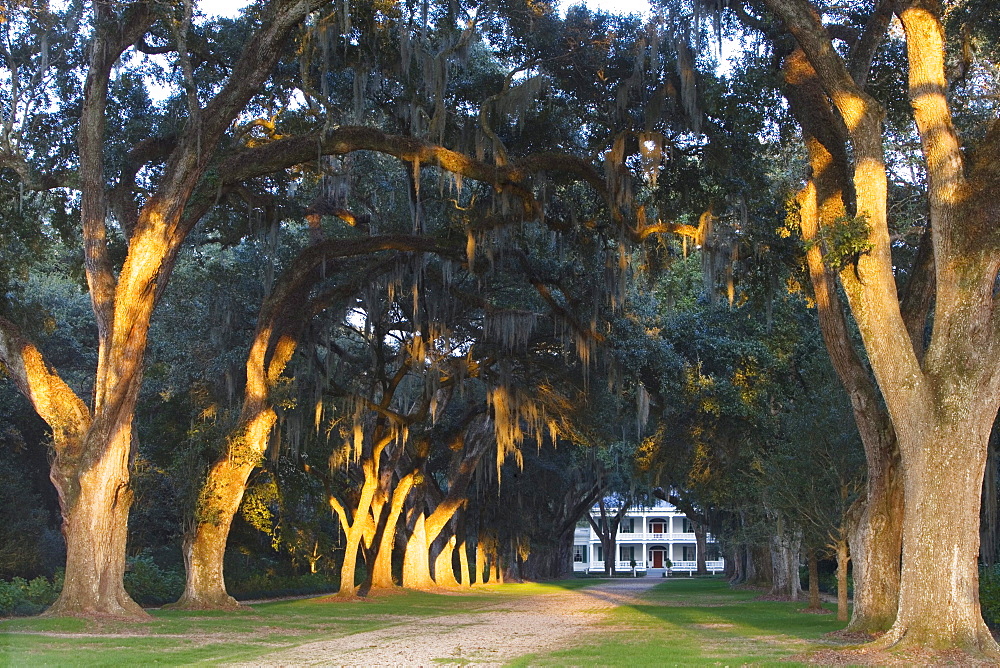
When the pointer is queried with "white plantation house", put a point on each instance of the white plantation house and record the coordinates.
(649, 536)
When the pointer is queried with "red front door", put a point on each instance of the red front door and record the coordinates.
(657, 558)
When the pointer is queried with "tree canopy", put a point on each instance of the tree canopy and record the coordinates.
(402, 290)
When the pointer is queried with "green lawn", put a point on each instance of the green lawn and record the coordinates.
(700, 621)
(183, 638)
(682, 621)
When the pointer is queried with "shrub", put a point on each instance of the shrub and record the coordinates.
(989, 594)
(10, 596)
(148, 584)
(21, 597)
(263, 585)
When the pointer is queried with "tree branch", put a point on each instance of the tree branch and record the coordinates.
(107, 45)
(65, 413)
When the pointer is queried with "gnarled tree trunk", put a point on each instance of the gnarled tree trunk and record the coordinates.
(876, 541)
(876, 535)
(416, 558)
(942, 401)
(444, 568)
(381, 573)
(204, 545)
(95, 501)
(947, 538)
(784, 548)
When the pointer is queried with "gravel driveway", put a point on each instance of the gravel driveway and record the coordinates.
(490, 637)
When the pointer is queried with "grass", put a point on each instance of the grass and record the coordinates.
(699, 621)
(679, 622)
(177, 637)
(529, 588)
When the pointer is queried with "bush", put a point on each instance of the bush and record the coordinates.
(148, 584)
(22, 597)
(989, 593)
(263, 585)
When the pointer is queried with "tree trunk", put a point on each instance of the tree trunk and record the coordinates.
(701, 546)
(553, 562)
(465, 578)
(204, 546)
(942, 402)
(843, 557)
(876, 539)
(784, 547)
(349, 569)
(444, 568)
(96, 503)
(416, 558)
(381, 575)
(355, 530)
(941, 546)
(736, 564)
(205, 586)
(481, 575)
(760, 569)
(814, 603)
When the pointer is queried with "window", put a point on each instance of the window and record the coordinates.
(579, 553)
(690, 553)
(599, 551)
(626, 552)
(627, 525)
(688, 527)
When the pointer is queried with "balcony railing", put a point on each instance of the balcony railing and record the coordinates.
(691, 567)
(625, 536)
(620, 566)
(688, 567)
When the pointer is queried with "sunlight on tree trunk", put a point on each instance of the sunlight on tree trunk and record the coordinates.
(95, 525)
(416, 559)
(444, 570)
(465, 578)
(481, 575)
(381, 576)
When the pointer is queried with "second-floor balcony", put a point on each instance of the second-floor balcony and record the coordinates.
(625, 536)
(688, 567)
(620, 566)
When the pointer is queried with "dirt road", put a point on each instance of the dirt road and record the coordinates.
(490, 637)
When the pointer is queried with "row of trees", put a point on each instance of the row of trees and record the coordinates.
(453, 205)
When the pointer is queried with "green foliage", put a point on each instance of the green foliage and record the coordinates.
(21, 597)
(148, 584)
(827, 578)
(989, 594)
(265, 585)
(844, 242)
(24, 525)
